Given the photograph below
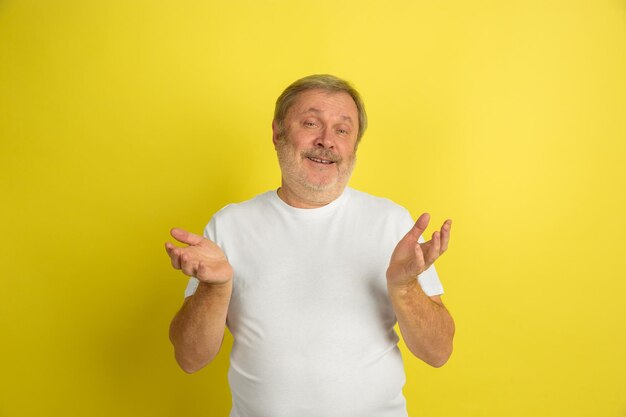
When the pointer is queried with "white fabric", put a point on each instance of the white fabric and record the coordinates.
(310, 315)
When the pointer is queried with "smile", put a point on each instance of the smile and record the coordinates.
(320, 161)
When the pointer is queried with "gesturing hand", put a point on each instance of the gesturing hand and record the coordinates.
(410, 258)
(202, 258)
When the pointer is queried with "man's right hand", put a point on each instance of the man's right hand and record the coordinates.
(202, 258)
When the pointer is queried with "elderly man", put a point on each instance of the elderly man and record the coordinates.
(311, 278)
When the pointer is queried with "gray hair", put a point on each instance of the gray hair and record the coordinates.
(324, 82)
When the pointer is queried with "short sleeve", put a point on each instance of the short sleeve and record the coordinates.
(209, 233)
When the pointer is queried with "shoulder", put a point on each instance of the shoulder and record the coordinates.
(377, 217)
(236, 216)
(377, 204)
(248, 207)
(378, 212)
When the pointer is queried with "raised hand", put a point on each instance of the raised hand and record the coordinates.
(202, 258)
(410, 258)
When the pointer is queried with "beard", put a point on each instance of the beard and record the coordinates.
(336, 175)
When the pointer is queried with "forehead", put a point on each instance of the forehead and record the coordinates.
(339, 104)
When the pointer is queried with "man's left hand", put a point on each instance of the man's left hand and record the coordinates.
(410, 258)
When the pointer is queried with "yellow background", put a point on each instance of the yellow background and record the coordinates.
(122, 119)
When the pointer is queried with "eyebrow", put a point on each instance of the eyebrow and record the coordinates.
(318, 111)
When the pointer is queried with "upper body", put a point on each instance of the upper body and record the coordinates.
(311, 279)
(309, 312)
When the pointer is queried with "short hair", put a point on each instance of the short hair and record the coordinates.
(324, 82)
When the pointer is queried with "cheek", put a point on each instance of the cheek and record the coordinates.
(347, 151)
(297, 139)
(288, 150)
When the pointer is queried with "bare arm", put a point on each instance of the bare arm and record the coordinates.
(197, 330)
(425, 323)
(426, 326)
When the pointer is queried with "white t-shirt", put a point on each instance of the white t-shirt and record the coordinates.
(310, 315)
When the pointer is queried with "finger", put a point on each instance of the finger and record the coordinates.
(433, 251)
(175, 257)
(421, 224)
(445, 235)
(416, 231)
(169, 247)
(416, 266)
(184, 236)
(188, 265)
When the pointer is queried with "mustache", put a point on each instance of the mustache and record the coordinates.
(326, 154)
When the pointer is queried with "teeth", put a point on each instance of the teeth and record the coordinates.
(321, 161)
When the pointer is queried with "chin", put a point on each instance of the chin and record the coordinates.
(321, 185)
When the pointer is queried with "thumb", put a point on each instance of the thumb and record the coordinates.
(184, 236)
(408, 242)
(420, 225)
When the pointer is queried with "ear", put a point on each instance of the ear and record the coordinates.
(275, 133)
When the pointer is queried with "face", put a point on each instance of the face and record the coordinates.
(316, 150)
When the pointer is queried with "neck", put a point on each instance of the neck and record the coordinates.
(308, 200)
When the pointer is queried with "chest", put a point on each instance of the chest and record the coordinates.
(311, 273)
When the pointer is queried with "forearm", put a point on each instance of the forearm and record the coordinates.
(197, 330)
(426, 326)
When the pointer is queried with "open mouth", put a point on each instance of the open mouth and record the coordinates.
(320, 161)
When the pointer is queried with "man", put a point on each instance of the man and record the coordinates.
(311, 278)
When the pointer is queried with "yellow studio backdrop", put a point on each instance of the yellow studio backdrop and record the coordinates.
(122, 119)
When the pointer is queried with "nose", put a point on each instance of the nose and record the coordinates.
(325, 139)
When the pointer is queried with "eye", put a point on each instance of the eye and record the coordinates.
(309, 123)
(343, 132)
